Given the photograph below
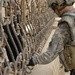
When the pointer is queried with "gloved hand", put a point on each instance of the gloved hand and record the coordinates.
(31, 63)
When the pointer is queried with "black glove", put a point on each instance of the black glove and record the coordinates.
(31, 63)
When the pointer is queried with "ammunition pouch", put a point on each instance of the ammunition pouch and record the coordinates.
(69, 56)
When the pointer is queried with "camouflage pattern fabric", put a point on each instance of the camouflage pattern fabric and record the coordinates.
(56, 46)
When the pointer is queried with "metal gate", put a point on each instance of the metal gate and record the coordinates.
(24, 28)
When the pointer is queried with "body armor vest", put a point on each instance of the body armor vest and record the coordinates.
(68, 54)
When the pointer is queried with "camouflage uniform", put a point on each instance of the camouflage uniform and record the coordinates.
(61, 37)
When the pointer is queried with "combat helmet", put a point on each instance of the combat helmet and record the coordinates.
(60, 2)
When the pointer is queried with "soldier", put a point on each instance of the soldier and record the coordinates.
(63, 40)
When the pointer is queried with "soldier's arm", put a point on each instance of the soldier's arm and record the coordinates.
(59, 39)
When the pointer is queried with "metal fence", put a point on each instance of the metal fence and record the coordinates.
(24, 28)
